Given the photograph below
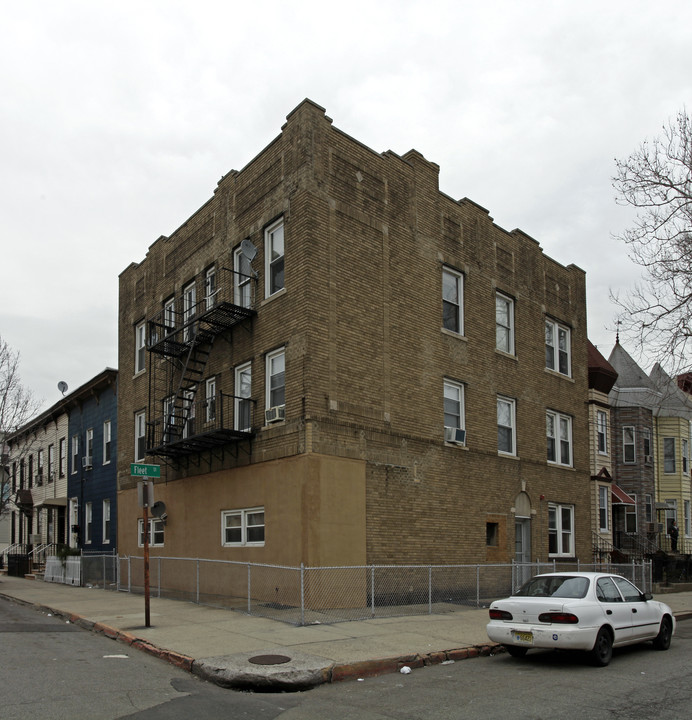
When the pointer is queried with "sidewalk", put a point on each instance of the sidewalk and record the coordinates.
(236, 650)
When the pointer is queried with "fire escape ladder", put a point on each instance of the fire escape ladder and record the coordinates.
(180, 409)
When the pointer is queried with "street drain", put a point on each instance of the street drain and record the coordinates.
(269, 659)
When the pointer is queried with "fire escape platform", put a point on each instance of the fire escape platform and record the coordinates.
(207, 440)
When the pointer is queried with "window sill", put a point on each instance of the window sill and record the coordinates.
(451, 333)
(509, 456)
(509, 356)
(557, 373)
(139, 373)
(560, 466)
(458, 446)
(273, 296)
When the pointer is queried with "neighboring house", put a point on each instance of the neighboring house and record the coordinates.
(40, 461)
(92, 474)
(652, 430)
(5, 489)
(606, 497)
(335, 363)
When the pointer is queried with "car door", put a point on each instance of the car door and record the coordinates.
(645, 616)
(617, 612)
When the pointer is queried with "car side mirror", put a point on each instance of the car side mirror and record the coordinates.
(647, 596)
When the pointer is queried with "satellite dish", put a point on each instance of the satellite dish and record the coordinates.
(248, 249)
(158, 509)
(62, 386)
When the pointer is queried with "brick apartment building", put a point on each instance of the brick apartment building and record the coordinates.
(335, 363)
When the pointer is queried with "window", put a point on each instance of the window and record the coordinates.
(189, 308)
(106, 442)
(602, 432)
(628, 438)
(89, 447)
(62, 458)
(669, 455)
(506, 430)
(646, 442)
(51, 463)
(140, 436)
(631, 516)
(210, 400)
(87, 523)
(504, 323)
(492, 534)
(276, 379)
(210, 289)
(156, 532)
(243, 278)
(188, 413)
(452, 301)
(603, 493)
(169, 315)
(242, 527)
(75, 453)
(559, 434)
(685, 455)
(274, 254)
(648, 508)
(39, 468)
(671, 513)
(606, 591)
(106, 529)
(140, 347)
(453, 404)
(628, 591)
(561, 530)
(686, 518)
(31, 471)
(243, 394)
(557, 347)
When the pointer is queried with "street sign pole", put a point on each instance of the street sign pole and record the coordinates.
(145, 492)
(147, 617)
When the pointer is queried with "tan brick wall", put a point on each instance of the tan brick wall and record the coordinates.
(366, 238)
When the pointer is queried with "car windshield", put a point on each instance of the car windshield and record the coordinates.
(563, 586)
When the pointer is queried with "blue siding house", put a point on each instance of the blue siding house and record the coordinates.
(92, 464)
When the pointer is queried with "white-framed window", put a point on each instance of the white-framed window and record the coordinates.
(189, 411)
(106, 442)
(686, 518)
(646, 443)
(506, 426)
(669, 464)
(210, 288)
(156, 532)
(276, 379)
(602, 432)
(89, 448)
(631, 515)
(189, 308)
(39, 467)
(140, 347)
(75, 454)
(504, 323)
(169, 315)
(140, 435)
(274, 257)
(685, 455)
(453, 405)
(557, 347)
(559, 435)
(88, 517)
(628, 444)
(243, 398)
(106, 526)
(51, 462)
(242, 527)
(603, 515)
(452, 301)
(671, 512)
(648, 507)
(62, 457)
(560, 530)
(242, 293)
(210, 400)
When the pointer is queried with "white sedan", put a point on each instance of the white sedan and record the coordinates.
(587, 611)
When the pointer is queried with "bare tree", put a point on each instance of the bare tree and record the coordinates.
(17, 406)
(656, 180)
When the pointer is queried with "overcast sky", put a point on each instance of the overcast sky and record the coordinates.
(118, 119)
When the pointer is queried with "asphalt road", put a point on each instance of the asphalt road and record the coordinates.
(51, 669)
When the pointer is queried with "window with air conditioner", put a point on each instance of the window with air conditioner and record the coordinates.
(276, 386)
(454, 413)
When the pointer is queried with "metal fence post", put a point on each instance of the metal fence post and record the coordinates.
(129, 573)
(429, 589)
(302, 593)
(159, 577)
(197, 579)
(372, 590)
(478, 585)
(249, 585)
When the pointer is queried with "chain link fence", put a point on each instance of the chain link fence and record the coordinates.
(322, 595)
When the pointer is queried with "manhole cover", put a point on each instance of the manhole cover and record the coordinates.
(269, 659)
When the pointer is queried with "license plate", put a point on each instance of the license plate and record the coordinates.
(523, 637)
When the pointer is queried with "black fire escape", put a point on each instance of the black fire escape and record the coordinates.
(184, 417)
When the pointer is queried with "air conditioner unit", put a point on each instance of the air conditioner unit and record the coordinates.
(650, 527)
(86, 462)
(455, 435)
(647, 458)
(275, 414)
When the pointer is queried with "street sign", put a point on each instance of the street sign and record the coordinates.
(143, 470)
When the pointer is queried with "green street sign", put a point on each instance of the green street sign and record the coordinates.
(145, 471)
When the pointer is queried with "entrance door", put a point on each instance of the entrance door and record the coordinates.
(522, 550)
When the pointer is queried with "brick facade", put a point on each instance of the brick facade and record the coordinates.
(367, 236)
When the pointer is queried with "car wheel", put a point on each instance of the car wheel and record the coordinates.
(662, 640)
(516, 652)
(602, 652)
